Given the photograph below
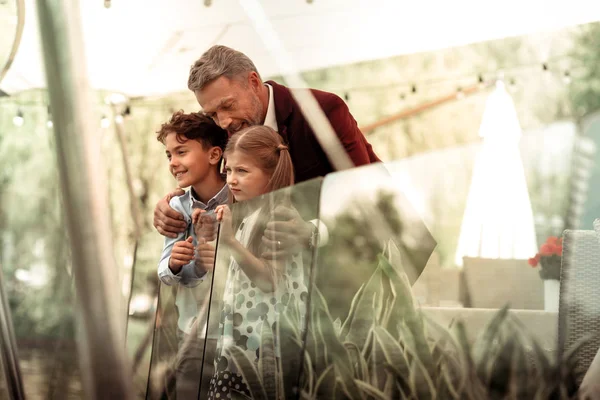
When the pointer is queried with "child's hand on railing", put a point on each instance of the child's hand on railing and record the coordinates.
(182, 254)
(224, 217)
(205, 257)
(205, 225)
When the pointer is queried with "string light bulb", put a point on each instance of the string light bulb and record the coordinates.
(49, 123)
(567, 77)
(460, 94)
(413, 89)
(18, 119)
(481, 81)
(104, 122)
(346, 96)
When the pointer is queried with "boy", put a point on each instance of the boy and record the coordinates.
(194, 146)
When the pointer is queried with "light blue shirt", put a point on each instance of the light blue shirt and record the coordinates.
(185, 204)
(189, 299)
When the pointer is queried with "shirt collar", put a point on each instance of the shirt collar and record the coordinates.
(271, 119)
(217, 199)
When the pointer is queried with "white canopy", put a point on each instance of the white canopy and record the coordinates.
(145, 47)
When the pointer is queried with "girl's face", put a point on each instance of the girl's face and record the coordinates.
(244, 177)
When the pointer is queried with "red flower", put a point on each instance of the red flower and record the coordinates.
(552, 247)
(559, 249)
(533, 262)
(547, 249)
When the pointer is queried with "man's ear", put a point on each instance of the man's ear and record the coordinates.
(254, 81)
(214, 155)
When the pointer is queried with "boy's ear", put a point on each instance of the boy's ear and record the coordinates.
(215, 155)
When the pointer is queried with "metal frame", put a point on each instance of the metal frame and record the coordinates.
(103, 360)
(8, 344)
(18, 35)
(8, 348)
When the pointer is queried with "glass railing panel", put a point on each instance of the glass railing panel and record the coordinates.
(205, 338)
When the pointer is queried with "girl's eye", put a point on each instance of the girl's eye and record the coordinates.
(181, 152)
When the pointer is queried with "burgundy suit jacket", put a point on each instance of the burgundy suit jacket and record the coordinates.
(308, 157)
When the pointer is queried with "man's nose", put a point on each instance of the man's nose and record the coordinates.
(224, 121)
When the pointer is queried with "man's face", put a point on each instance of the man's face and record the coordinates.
(233, 103)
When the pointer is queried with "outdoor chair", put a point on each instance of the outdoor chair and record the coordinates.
(579, 304)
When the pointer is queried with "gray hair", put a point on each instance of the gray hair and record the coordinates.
(216, 62)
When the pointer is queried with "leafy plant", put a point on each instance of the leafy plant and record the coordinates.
(387, 349)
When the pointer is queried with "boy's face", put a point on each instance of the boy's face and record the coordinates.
(189, 162)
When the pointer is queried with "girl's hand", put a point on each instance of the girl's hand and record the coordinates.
(182, 254)
(219, 210)
(224, 217)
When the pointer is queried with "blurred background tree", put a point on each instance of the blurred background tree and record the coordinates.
(584, 93)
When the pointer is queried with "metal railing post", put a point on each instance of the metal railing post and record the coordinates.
(104, 367)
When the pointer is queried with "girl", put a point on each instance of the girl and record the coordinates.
(257, 289)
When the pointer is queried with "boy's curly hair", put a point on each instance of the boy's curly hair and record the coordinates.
(193, 126)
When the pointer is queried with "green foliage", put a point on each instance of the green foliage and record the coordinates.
(386, 349)
(353, 246)
(584, 91)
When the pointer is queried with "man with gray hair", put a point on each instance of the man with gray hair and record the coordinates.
(230, 90)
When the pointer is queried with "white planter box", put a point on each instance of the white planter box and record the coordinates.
(551, 294)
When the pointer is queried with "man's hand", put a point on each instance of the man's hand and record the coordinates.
(182, 254)
(205, 260)
(287, 235)
(167, 221)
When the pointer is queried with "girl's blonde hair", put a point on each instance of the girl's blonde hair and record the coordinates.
(267, 149)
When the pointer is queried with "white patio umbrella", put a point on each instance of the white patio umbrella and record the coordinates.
(498, 220)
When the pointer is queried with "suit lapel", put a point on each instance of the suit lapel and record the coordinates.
(284, 106)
